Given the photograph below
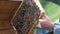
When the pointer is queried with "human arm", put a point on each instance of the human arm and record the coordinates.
(47, 23)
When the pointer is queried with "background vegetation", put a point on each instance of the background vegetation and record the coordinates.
(52, 9)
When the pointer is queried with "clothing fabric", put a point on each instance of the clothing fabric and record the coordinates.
(57, 27)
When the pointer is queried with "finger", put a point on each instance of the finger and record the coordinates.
(42, 15)
(41, 20)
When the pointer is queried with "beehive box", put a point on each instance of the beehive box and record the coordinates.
(8, 9)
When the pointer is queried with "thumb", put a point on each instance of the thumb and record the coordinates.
(41, 20)
(42, 15)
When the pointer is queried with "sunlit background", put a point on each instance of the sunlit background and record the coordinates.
(52, 9)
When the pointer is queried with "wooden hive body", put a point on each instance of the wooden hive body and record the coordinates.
(7, 12)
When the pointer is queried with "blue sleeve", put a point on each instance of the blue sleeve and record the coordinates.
(57, 27)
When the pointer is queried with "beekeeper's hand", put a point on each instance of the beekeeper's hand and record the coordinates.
(46, 22)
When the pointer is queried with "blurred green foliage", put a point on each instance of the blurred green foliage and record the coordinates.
(52, 9)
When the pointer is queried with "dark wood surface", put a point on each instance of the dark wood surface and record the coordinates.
(7, 11)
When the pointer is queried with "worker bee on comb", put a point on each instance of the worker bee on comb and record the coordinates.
(26, 17)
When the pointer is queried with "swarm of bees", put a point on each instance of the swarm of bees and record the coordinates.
(26, 16)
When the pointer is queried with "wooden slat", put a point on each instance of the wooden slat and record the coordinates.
(4, 17)
(4, 11)
(7, 9)
(4, 25)
(8, 31)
